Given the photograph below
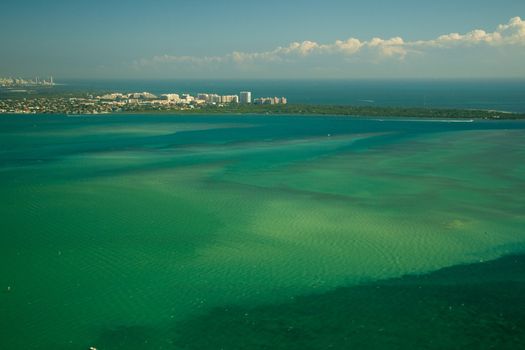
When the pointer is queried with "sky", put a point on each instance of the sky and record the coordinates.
(290, 39)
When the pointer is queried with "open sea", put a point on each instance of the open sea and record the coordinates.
(255, 232)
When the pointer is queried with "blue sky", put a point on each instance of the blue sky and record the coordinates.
(262, 39)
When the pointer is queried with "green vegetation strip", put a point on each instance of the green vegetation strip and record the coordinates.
(302, 109)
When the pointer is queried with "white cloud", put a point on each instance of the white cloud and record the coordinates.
(394, 47)
(513, 32)
(346, 47)
(510, 34)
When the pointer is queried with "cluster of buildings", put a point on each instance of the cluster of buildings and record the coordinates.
(214, 98)
(128, 102)
(270, 101)
(19, 82)
(132, 97)
(146, 98)
(55, 105)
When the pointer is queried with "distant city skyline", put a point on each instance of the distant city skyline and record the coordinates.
(271, 39)
(21, 81)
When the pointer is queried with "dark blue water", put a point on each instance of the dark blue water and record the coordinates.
(504, 95)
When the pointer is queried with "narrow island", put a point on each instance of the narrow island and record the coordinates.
(69, 103)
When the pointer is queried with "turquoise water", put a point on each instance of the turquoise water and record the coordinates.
(137, 232)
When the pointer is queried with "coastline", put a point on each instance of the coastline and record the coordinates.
(291, 110)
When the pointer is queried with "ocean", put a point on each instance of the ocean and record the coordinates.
(256, 232)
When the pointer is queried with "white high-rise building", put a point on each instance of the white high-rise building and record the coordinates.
(170, 97)
(230, 99)
(245, 97)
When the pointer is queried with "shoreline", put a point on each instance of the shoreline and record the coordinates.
(445, 115)
(247, 115)
(148, 104)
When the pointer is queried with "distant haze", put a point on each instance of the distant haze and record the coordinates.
(263, 39)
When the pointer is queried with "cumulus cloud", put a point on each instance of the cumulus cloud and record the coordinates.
(512, 33)
(509, 34)
(394, 47)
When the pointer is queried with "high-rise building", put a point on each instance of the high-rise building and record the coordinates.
(270, 101)
(245, 97)
(170, 97)
(230, 99)
(214, 98)
(203, 97)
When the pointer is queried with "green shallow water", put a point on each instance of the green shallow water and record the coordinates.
(477, 306)
(133, 232)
